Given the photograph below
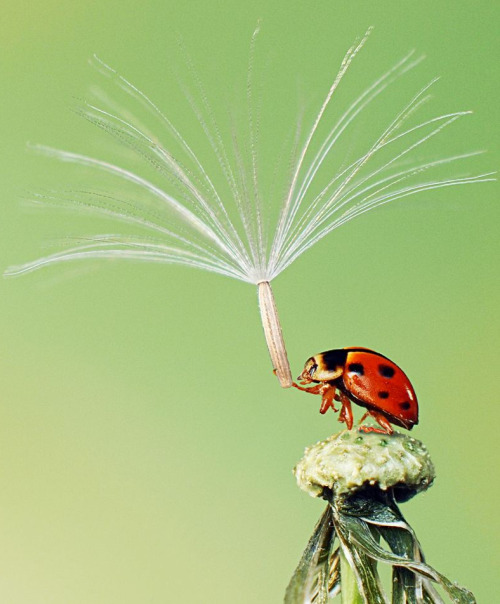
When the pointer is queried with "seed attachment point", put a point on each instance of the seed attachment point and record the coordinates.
(274, 335)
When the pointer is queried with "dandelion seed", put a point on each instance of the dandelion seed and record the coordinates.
(228, 228)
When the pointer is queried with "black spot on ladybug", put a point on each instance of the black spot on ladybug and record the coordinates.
(356, 368)
(333, 358)
(383, 394)
(386, 371)
(405, 405)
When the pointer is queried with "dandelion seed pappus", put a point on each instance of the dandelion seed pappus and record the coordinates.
(208, 208)
(366, 378)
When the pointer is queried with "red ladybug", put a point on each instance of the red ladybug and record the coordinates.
(368, 379)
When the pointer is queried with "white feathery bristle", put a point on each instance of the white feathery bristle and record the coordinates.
(228, 229)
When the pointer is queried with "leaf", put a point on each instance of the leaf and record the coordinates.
(314, 564)
(405, 583)
(360, 534)
(333, 582)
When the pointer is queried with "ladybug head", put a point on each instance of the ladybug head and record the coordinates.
(319, 368)
(308, 374)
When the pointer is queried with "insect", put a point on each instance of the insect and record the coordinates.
(368, 379)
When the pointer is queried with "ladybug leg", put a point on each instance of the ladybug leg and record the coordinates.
(381, 420)
(313, 390)
(328, 396)
(364, 417)
(346, 411)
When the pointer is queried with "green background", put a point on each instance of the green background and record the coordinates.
(145, 447)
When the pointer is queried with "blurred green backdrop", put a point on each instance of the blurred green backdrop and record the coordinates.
(145, 447)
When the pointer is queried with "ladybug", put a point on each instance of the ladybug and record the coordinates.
(367, 378)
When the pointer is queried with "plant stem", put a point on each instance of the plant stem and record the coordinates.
(349, 587)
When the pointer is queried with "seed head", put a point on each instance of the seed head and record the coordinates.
(351, 460)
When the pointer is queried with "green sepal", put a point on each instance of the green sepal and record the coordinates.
(313, 570)
(361, 535)
(363, 567)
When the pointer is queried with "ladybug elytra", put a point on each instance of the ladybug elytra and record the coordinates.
(366, 378)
